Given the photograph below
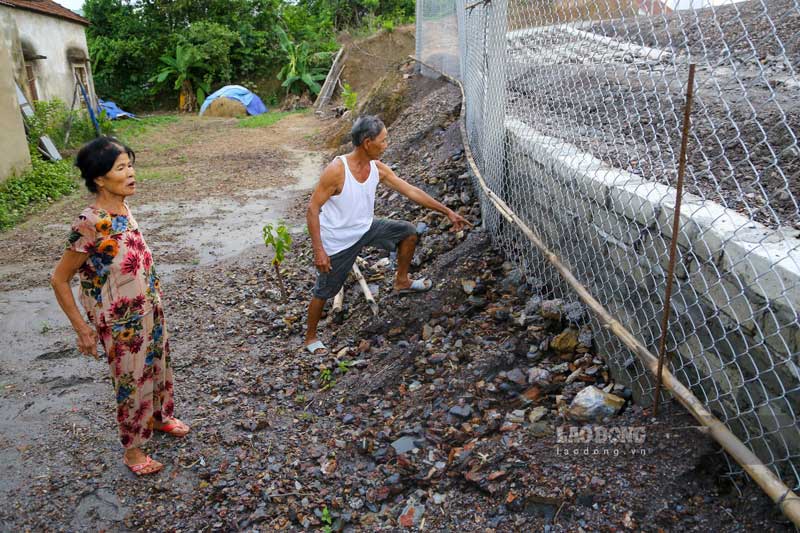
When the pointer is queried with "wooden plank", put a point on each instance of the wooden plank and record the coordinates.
(330, 81)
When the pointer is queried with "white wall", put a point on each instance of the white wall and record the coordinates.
(14, 156)
(51, 37)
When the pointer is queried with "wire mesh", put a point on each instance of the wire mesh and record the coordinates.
(573, 115)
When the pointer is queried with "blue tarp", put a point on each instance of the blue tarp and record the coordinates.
(112, 110)
(249, 99)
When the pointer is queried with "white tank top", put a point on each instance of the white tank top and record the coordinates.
(346, 217)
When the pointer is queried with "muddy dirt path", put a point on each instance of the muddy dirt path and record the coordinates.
(207, 188)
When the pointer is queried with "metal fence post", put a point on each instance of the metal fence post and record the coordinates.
(418, 34)
(495, 95)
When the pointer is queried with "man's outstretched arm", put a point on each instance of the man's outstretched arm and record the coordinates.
(327, 187)
(420, 197)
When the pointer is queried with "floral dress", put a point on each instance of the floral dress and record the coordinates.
(121, 295)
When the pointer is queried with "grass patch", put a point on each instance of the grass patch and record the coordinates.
(44, 183)
(130, 129)
(164, 176)
(268, 119)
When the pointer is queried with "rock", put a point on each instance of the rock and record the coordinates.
(537, 414)
(468, 285)
(592, 403)
(537, 375)
(514, 279)
(517, 376)
(575, 312)
(348, 419)
(411, 515)
(427, 332)
(363, 346)
(533, 305)
(566, 341)
(437, 358)
(463, 411)
(552, 309)
(404, 444)
(575, 375)
(540, 429)
(517, 416)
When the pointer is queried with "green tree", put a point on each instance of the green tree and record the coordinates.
(185, 66)
(303, 69)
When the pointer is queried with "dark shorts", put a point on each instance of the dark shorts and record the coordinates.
(383, 233)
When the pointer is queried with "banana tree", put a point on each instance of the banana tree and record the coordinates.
(302, 70)
(185, 66)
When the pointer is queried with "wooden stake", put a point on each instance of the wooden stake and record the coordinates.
(673, 245)
(786, 499)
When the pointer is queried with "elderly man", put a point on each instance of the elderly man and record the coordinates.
(340, 220)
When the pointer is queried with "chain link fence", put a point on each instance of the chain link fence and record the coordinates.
(574, 116)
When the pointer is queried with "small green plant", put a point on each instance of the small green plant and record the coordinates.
(344, 366)
(326, 378)
(327, 520)
(299, 398)
(44, 327)
(44, 182)
(278, 238)
(349, 96)
(388, 25)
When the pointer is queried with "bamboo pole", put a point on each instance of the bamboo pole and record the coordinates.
(365, 288)
(338, 302)
(787, 500)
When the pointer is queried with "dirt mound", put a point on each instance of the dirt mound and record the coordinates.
(369, 59)
(226, 108)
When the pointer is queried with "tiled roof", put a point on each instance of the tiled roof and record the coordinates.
(46, 7)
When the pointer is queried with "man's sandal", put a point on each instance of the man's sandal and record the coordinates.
(174, 428)
(317, 345)
(140, 469)
(418, 285)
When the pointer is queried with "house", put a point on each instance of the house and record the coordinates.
(44, 50)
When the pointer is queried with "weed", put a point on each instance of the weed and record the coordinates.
(344, 366)
(44, 327)
(349, 96)
(326, 378)
(327, 520)
(267, 119)
(129, 130)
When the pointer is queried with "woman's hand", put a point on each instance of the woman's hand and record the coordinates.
(87, 340)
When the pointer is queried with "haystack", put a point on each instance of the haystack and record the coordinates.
(225, 107)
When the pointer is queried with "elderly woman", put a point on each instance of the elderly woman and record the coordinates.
(119, 289)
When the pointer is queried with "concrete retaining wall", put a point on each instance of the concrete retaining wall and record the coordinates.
(734, 337)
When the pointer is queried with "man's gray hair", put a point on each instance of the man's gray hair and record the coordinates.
(366, 127)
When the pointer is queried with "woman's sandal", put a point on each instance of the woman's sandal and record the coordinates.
(139, 468)
(174, 428)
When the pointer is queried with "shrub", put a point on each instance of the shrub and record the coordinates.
(45, 182)
(52, 117)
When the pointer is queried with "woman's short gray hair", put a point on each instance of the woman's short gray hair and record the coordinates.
(366, 127)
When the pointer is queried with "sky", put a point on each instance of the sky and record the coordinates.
(71, 4)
